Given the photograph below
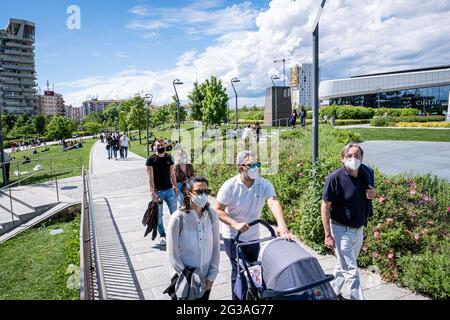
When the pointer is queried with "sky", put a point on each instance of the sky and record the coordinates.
(127, 47)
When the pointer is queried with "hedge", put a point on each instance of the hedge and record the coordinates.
(346, 112)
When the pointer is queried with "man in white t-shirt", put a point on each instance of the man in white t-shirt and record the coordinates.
(240, 201)
(124, 144)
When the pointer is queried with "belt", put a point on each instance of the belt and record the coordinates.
(342, 225)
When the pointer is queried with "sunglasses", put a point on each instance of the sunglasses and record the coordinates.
(202, 191)
(253, 165)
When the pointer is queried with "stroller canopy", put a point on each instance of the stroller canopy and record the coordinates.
(287, 265)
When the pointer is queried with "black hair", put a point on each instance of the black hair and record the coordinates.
(187, 187)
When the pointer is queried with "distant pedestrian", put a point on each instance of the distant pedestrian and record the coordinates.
(303, 116)
(109, 146)
(293, 119)
(183, 172)
(115, 145)
(124, 144)
(7, 164)
(162, 183)
(258, 132)
(346, 207)
(102, 140)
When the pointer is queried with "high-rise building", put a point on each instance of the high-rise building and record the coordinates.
(17, 84)
(77, 113)
(301, 84)
(51, 103)
(95, 105)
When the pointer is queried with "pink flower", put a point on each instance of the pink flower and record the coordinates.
(376, 235)
(382, 200)
(413, 192)
(389, 220)
(426, 198)
(430, 222)
(448, 209)
(413, 185)
(417, 237)
(390, 256)
(364, 248)
(375, 254)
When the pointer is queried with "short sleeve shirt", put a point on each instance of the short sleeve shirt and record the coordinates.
(161, 171)
(347, 195)
(244, 205)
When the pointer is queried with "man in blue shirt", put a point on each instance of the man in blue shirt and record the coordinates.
(346, 206)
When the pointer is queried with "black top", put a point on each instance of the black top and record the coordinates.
(161, 171)
(347, 195)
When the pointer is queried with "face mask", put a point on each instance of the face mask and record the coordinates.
(161, 150)
(353, 164)
(200, 200)
(253, 173)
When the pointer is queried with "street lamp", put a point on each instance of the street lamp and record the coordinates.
(177, 82)
(2, 151)
(316, 84)
(274, 77)
(233, 81)
(149, 95)
(284, 69)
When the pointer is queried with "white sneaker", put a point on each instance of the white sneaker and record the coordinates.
(162, 241)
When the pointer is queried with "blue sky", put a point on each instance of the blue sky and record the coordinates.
(128, 46)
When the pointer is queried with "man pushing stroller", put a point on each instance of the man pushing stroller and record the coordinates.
(240, 201)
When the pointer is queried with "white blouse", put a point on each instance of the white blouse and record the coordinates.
(197, 246)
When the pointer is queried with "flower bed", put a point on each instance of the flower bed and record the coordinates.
(423, 124)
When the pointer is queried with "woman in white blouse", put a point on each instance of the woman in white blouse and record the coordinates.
(193, 239)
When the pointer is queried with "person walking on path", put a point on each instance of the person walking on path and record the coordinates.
(162, 183)
(193, 236)
(346, 207)
(124, 144)
(240, 201)
(303, 115)
(183, 172)
(109, 144)
(116, 145)
(258, 132)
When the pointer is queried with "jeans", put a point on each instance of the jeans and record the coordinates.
(110, 152)
(348, 244)
(115, 152)
(250, 252)
(169, 197)
(180, 193)
(303, 121)
(123, 152)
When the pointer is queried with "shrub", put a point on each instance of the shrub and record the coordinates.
(391, 121)
(346, 112)
(351, 122)
(395, 112)
(428, 272)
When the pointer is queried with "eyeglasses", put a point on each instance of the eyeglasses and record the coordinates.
(254, 165)
(202, 191)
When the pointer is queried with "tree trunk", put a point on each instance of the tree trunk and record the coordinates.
(140, 140)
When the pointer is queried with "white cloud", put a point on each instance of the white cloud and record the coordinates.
(96, 54)
(356, 37)
(121, 55)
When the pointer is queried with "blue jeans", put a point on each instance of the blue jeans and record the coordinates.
(170, 198)
(303, 121)
(180, 193)
(115, 152)
(110, 152)
(250, 252)
(123, 152)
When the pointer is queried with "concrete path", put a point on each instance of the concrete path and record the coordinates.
(121, 187)
(393, 157)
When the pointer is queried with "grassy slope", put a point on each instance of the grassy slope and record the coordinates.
(33, 265)
(404, 134)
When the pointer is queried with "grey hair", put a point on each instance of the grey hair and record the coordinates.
(346, 149)
(244, 155)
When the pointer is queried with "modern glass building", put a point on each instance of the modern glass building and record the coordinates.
(426, 89)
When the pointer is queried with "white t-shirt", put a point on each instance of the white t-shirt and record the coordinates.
(244, 205)
(124, 141)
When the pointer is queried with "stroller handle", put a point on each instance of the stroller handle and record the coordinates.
(251, 224)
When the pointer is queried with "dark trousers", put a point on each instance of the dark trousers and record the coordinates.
(250, 252)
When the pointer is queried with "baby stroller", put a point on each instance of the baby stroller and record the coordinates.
(283, 271)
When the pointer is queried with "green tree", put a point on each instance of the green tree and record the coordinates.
(215, 102)
(39, 123)
(111, 114)
(159, 116)
(136, 117)
(196, 98)
(92, 127)
(23, 125)
(173, 111)
(60, 128)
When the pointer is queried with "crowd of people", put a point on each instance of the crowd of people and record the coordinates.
(192, 239)
(71, 145)
(28, 144)
(116, 143)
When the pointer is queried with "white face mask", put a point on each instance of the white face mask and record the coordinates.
(200, 200)
(253, 173)
(353, 164)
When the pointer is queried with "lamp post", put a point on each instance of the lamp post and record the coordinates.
(316, 84)
(2, 151)
(274, 77)
(147, 121)
(233, 81)
(284, 69)
(177, 82)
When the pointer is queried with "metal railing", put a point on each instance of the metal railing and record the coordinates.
(92, 283)
(278, 121)
(8, 190)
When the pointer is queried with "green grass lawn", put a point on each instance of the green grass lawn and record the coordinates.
(54, 159)
(33, 265)
(404, 134)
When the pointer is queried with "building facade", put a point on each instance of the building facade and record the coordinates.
(17, 84)
(278, 106)
(77, 113)
(95, 105)
(51, 103)
(301, 84)
(426, 89)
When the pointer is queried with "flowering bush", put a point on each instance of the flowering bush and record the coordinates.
(424, 124)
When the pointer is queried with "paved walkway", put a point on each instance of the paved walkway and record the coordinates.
(121, 187)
